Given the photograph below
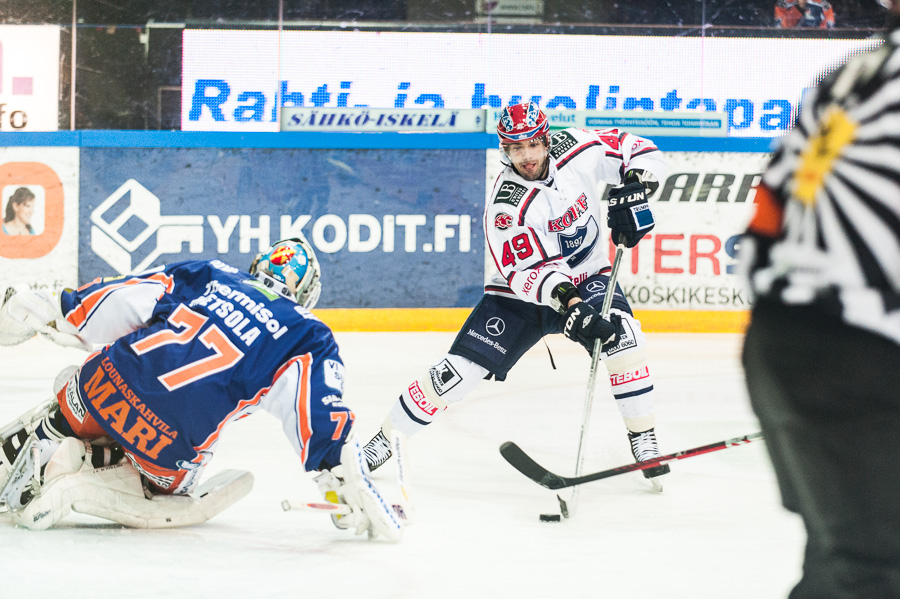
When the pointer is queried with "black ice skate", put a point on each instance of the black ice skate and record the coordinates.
(377, 451)
(644, 447)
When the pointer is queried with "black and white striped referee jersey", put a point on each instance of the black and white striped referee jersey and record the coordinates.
(827, 226)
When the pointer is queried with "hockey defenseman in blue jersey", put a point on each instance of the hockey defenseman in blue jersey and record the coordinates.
(184, 350)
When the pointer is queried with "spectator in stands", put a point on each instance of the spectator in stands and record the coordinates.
(795, 14)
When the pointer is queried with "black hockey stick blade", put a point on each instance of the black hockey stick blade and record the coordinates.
(522, 462)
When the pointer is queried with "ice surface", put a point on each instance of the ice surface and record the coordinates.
(717, 530)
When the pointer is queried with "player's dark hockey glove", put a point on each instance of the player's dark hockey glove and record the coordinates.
(629, 217)
(584, 325)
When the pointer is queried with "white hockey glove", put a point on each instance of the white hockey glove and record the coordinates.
(25, 313)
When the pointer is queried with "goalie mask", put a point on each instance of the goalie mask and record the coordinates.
(290, 268)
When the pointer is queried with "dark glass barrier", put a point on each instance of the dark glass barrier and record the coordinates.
(128, 66)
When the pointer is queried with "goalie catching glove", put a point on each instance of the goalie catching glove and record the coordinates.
(25, 313)
(629, 217)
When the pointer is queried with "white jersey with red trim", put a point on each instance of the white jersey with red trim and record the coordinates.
(197, 345)
(542, 233)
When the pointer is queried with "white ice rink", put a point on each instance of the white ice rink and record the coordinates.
(717, 530)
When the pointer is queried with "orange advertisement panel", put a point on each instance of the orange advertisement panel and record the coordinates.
(39, 210)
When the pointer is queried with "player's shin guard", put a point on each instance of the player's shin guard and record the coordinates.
(632, 388)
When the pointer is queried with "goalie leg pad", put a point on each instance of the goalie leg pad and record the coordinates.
(351, 483)
(362, 493)
(34, 426)
(116, 493)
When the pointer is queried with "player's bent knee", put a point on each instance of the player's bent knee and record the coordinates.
(630, 352)
(626, 361)
(453, 378)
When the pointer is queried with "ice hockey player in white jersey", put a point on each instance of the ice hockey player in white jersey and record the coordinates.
(542, 223)
(184, 350)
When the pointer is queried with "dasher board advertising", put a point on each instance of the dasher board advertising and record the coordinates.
(391, 228)
(29, 78)
(411, 120)
(231, 78)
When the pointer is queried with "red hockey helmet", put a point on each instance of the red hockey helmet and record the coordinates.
(521, 122)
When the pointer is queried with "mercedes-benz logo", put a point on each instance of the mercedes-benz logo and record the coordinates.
(595, 286)
(495, 326)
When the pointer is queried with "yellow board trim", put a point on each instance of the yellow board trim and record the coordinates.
(451, 319)
(693, 321)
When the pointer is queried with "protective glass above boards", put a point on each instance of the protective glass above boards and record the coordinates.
(130, 58)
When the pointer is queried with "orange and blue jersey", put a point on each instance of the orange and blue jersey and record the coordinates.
(191, 347)
(791, 14)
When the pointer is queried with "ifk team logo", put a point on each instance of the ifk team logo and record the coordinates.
(129, 232)
(495, 326)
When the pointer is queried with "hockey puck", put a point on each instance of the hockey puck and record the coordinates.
(550, 518)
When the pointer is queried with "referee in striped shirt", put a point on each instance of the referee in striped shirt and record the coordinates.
(822, 352)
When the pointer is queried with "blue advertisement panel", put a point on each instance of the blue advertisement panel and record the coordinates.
(392, 228)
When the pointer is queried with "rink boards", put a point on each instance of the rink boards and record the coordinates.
(395, 218)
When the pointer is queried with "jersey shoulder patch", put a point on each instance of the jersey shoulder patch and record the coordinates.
(510, 193)
(560, 143)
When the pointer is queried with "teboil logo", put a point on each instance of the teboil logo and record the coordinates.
(418, 396)
(629, 377)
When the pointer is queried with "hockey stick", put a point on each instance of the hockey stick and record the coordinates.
(522, 462)
(569, 507)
